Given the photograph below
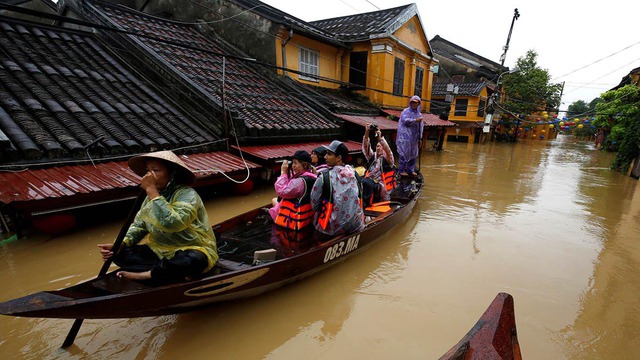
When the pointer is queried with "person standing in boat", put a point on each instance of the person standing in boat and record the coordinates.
(410, 128)
(178, 241)
(381, 168)
(336, 195)
(317, 159)
(292, 208)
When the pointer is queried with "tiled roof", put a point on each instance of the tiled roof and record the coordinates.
(359, 27)
(61, 91)
(261, 103)
(337, 100)
(464, 89)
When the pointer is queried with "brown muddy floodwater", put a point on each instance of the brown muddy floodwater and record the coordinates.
(546, 222)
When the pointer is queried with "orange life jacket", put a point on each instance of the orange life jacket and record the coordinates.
(388, 174)
(296, 214)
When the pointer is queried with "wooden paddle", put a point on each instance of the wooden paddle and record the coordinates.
(73, 332)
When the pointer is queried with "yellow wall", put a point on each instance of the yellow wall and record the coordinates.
(472, 107)
(329, 59)
(411, 34)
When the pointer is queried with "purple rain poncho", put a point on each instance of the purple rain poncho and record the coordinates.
(409, 135)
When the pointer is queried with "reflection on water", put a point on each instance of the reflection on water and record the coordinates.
(544, 221)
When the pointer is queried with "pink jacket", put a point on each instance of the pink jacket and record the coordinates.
(286, 187)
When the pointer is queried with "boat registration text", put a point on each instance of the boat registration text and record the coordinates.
(341, 248)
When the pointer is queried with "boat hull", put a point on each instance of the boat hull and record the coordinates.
(493, 337)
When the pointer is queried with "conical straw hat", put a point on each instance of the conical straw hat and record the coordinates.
(138, 163)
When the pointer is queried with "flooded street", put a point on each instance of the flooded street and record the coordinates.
(546, 222)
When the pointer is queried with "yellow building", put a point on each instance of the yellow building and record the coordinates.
(387, 56)
(463, 104)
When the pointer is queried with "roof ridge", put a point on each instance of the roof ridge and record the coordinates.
(363, 14)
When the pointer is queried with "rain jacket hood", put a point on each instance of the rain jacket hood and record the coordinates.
(345, 173)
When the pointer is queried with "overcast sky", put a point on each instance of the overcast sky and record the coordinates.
(589, 47)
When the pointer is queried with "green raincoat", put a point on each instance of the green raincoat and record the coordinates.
(175, 220)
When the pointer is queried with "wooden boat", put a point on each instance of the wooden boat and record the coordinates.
(241, 271)
(493, 337)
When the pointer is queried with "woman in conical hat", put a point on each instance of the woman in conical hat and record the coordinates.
(179, 240)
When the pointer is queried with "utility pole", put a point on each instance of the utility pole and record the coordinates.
(493, 98)
(516, 15)
(560, 100)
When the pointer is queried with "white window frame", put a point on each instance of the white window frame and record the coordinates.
(309, 63)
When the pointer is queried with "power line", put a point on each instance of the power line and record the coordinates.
(625, 65)
(597, 61)
(372, 4)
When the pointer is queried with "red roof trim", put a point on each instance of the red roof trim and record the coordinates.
(281, 151)
(382, 122)
(40, 184)
(429, 119)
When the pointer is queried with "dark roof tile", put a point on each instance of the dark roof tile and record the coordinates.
(63, 91)
(245, 85)
(464, 89)
(359, 27)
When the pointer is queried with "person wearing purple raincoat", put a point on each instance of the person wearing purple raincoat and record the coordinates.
(409, 135)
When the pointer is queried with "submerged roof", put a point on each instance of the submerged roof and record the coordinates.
(76, 180)
(360, 27)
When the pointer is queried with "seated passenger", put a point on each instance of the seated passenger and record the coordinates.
(317, 159)
(292, 208)
(336, 195)
(178, 240)
(381, 167)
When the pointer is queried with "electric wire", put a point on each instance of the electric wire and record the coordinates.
(597, 61)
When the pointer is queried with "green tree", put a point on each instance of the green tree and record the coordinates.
(529, 90)
(619, 113)
(594, 103)
(578, 108)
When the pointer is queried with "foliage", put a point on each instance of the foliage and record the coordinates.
(619, 112)
(595, 102)
(580, 108)
(529, 90)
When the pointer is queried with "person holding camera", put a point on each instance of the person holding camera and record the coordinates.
(292, 208)
(381, 169)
